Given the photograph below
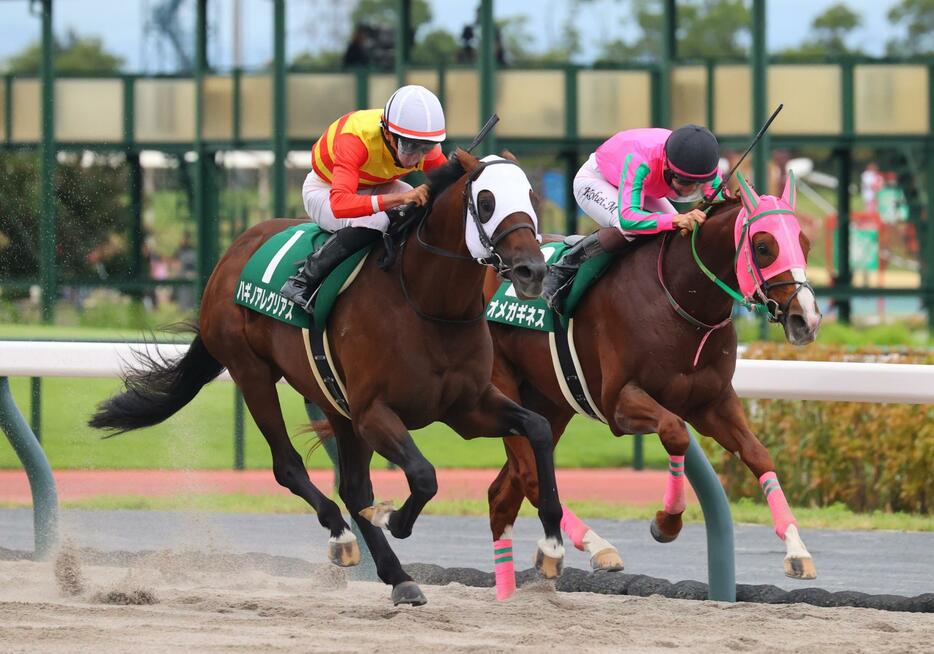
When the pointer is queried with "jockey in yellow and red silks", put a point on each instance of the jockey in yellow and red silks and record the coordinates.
(356, 166)
(627, 187)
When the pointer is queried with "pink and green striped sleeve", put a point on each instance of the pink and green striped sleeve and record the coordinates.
(632, 217)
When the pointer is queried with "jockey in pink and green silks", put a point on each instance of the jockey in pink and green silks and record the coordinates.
(627, 187)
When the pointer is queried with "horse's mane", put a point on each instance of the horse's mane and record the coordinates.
(721, 206)
(441, 178)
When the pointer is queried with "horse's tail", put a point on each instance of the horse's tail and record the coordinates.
(157, 388)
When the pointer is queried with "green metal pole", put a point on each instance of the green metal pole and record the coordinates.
(759, 60)
(721, 553)
(8, 108)
(237, 75)
(572, 157)
(279, 117)
(669, 53)
(205, 187)
(709, 108)
(403, 29)
(638, 452)
(928, 262)
(38, 471)
(487, 72)
(239, 446)
(367, 568)
(47, 182)
(35, 406)
(135, 210)
(363, 89)
(844, 278)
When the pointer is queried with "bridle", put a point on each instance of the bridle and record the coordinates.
(767, 306)
(494, 260)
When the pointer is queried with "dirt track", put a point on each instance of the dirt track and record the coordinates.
(211, 602)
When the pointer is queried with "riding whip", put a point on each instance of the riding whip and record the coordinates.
(726, 178)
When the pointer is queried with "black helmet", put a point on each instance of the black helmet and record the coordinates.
(693, 153)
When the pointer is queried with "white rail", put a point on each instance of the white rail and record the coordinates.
(790, 380)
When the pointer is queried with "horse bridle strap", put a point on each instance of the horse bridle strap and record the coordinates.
(495, 261)
(680, 310)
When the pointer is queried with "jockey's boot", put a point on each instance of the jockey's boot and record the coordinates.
(301, 287)
(561, 273)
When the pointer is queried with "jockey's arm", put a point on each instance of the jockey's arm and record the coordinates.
(349, 156)
(632, 217)
(434, 159)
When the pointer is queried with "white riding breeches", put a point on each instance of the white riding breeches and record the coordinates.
(599, 199)
(316, 194)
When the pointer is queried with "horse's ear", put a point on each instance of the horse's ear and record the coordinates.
(506, 154)
(790, 194)
(747, 194)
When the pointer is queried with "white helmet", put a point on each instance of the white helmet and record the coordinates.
(413, 112)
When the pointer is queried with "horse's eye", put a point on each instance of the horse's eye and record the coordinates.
(762, 248)
(486, 204)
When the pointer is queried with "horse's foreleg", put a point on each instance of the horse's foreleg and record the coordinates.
(726, 423)
(356, 490)
(383, 431)
(495, 415)
(636, 411)
(257, 383)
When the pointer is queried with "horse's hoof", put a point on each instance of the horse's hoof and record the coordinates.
(408, 592)
(606, 560)
(378, 514)
(800, 568)
(669, 529)
(344, 553)
(549, 567)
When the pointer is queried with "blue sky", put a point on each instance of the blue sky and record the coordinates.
(310, 23)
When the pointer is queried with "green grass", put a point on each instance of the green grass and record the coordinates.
(201, 436)
(744, 511)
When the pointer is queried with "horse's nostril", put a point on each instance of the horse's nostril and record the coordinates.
(798, 323)
(522, 272)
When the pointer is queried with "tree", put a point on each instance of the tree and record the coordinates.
(829, 33)
(704, 28)
(916, 17)
(74, 54)
(438, 46)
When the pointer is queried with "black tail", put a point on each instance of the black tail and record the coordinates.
(156, 389)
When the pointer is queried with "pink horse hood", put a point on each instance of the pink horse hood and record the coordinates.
(771, 215)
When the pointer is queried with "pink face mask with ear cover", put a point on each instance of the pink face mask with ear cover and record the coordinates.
(775, 216)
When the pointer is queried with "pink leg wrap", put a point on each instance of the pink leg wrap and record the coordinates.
(574, 527)
(775, 496)
(505, 571)
(674, 501)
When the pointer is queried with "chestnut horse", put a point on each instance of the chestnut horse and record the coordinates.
(649, 368)
(411, 344)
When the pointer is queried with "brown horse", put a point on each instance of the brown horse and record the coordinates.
(649, 368)
(411, 344)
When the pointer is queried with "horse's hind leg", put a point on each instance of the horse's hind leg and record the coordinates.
(357, 492)
(383, 431)
(726, 423)
(256, 380)
(636, 411)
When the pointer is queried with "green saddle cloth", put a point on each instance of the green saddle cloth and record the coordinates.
(278, 259)
(508, 308)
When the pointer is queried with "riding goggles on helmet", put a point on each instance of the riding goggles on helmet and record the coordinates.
(411, 147)
(672, 176)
